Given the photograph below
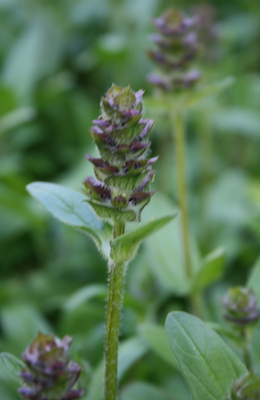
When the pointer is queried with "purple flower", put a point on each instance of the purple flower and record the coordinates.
(123, 174)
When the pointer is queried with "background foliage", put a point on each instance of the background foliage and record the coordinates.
(56, 59)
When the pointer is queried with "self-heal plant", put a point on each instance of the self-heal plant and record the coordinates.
(49, 374)
(177, 47)
(117, 194)
(241, 310)
(124, 174)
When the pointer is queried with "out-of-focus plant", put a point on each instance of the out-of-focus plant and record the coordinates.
(241, 310)
(177, 47)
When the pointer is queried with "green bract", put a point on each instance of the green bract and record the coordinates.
(247, 388)
(123, 172)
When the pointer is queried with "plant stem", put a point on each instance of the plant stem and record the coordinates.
(113, 320)
(246, 350)
(182, 188)
(179, 135)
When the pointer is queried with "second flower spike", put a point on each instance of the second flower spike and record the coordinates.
(177, 48)
(123, 172)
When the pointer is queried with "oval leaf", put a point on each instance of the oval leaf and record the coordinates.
(13, 366)
(207, 363)
(211, 270)
(71, 208)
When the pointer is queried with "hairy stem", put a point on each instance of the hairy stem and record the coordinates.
(113, 320)
(182, 188)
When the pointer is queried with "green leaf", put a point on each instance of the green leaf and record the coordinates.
(207, 363)
(144, 391)
(16, 118)
(85, 294)
(200, 93)
(13, 366)
(226, 331)
(164, 249)
(254, 280)
(156, 338)
(71, 208)
(211, 270)
(33, 56)
(123, 248)
(128, 353)
(237, 120)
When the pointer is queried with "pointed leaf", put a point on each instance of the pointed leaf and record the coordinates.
(211, 270)
(123, 248)
(71, 208)
(156, 338)
(207, 363)
(13, 366)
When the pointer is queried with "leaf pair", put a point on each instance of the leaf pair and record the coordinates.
(71, 208)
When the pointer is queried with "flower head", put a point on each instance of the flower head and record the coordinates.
(176, 49)
(123, 173)
(49, 374)
(240, 306)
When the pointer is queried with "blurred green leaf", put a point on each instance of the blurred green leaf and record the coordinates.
(164, 248)
(254, 280)
(21, 323)
(32, 56)
(211, 270)
(156, 337)
(13, 366)
(238, 121)
(143, 391)
(124, 248)
(16, 118)
(200, 93)
(85, 294)
(70, 207)
(207, 363)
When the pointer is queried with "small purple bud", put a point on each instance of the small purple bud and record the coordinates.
(49, 373)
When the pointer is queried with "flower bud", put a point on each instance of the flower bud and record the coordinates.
(123, 173)
(177, 48)
(240, 306)
(247, 388)
(49, 374)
